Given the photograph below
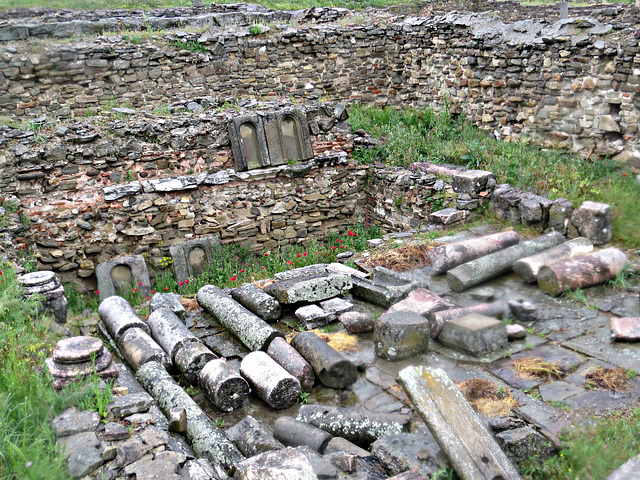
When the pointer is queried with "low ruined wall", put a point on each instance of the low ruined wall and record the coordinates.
(573, 83)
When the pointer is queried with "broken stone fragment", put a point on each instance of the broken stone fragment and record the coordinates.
(285, 464)
(223, 385)
(130, 404)
(82, 453)
(497, 309)
(330, 367)
(289, 358)
(339, 444)
(520, 443)
(118, 316)
(377, 294)
(400, 452)
(257, 301)
(400, 335)
(422, 302)
(250, 329)
(313, 288)
(273, 384)
(625, 329)
(581, 272)
(294, 433)
(312, 316)
(357, 322)
(475, 334)
(251, 437)
(490, 266)
(357, 425)
(473, 452)
(71, 422)
(516, 332)
(336, 306)
(529, 267)
(593, 221)
(445, 257)
(204, 437)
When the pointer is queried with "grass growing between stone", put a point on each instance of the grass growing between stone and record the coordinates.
(28, 401)
(590, 452)
(423, 135)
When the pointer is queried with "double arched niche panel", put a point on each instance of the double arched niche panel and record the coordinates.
(270, 139)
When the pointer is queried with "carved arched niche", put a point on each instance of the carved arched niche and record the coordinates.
(248, 142)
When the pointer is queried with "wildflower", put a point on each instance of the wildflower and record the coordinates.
(148, 297)
(135, 290)
(166, 288)
(180, 283)
(28, 464)
(139, 284)
(316, 253)
(298, 255)
(242, 270)
(153, 291)
(263, 267)
(186, 281)
(337, 240)
(350, 232)
(266, 254)
(233, 279)
(341, 246)
(97, 292)
(0, 272)
(341, 241)
(304, 254)
(624, 174)
(333, 248)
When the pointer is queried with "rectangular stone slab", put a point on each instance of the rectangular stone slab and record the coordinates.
(473, 452)
(309, 289)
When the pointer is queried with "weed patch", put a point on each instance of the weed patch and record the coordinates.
(534, 367)
(613, 379)
(486, 399)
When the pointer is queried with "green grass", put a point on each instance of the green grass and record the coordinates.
(422, 135)
(591, 452)
(28, 401)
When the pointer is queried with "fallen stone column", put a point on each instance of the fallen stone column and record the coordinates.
(254, 332)
(376, 294)
(490, 266)
(498, 309)
(170, 333)
(277, 387)
(118, 316)
(139, 348)
(223, 385)
(446, 257)
(289, 358)
(581, 272)
(257, 301)
(251, 437)
(191, 358)
(473, 452)
(294, 433)
(205, 439)
(312, 288)
(331, 368)
(528, 267)
(359, 426)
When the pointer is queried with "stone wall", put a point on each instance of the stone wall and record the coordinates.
(573, 83)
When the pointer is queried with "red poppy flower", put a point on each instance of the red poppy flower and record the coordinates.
(186, 281)
(97, 292)
(180, 282)
(139, 284)
(233, 279)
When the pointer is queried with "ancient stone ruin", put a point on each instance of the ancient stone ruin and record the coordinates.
(152, 155)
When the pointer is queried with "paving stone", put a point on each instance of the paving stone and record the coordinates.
(115, 431)
(475, 334)
(312, 316)
(285, 464)
(82, 452)
(447, 216)
(71, 422)
(130, 451)
(400, 335)
(558, 391)
(131, 404)
(520, 443)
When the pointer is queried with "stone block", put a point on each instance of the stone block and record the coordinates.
(400, 335)
(337, 306)
(560, 212)
(520, 443)
(357, 322)
(312, 316)
(421, 301)
(593, 221)
(472, 182)
(284, 464)
(475, 334)
(309, 289)
(122, 274)
(191, 258)
(447, 216)
(405, 451)
(625, 329)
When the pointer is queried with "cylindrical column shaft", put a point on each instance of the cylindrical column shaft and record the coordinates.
(170, 333)
(528, 267)
(289, 358)
(277, 387)
(257, 301)
(581, 272)
(294, 433)
(254, 332)
(205, 439)
(191, 358)
(118, 316)
(139, 348)
(490, 266)
(446, 257)
(331, 368)
(223, 385)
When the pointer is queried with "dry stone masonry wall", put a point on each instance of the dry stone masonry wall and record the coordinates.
(571, 83)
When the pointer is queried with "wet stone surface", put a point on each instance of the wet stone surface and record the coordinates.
(574, 335)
